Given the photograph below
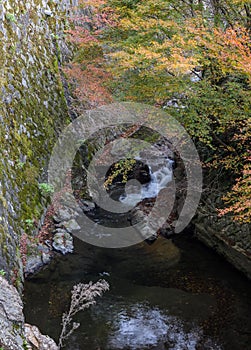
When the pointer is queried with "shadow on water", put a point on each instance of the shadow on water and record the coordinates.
(169, 295)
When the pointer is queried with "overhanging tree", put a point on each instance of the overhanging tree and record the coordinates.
(190, 57)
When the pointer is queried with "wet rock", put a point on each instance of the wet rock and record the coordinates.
(37, 340)
(41, 255)
(151, 218)
(33, 264)
(46, 258)
(87, 205)
(63, 242)
(141, 172)
(141, 222)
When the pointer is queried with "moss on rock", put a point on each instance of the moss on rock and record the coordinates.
(33, 111)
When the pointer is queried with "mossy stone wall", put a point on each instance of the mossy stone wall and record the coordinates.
(33, 110)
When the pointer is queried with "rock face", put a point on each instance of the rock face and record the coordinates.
(228, 238)
(40, 255)
(11, 317)
(66, 224)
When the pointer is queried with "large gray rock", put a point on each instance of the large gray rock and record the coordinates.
(11, 317)
(69, 201)
(64, 214)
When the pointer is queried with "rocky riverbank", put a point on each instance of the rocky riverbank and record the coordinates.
(15, 334)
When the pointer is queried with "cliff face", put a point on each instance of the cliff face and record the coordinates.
(33, 110)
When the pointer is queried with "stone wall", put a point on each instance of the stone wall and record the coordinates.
(33, 110)
(228, 238)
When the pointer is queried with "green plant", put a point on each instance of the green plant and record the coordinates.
(20, 165)
(2, 273)
(46, 189)
(29, 222)
(193, 65)
(55, 36)
(10, 17)
(25, 345)
(123, 167)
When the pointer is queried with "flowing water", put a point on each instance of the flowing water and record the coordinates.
(159, 180)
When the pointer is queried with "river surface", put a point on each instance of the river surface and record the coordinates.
(169, 295)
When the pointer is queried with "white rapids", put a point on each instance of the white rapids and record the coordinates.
(135, 192)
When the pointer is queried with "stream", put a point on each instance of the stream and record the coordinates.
(169, 295)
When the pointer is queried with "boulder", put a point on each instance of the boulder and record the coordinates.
(62, 242)
(40, 255)
(37, 340)
(64, 214)
(87, 205)
(11, 317)
(71, 225)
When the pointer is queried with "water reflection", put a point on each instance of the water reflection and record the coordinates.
(142, 327)
(162, 297)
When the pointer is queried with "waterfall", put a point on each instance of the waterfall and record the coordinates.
(159, 179)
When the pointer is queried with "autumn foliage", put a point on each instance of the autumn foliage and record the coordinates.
(192, 58)
(86, 72)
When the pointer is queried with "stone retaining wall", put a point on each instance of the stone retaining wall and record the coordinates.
(228, 238)
(33, 110)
